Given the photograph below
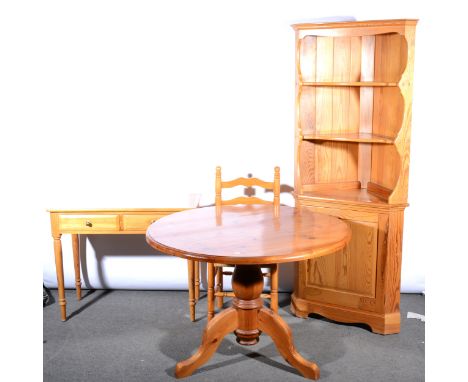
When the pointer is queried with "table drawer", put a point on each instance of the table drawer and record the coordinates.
(139, 222)
(89, 223)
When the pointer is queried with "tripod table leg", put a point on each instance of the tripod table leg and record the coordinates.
(222, 324)
(272, 324)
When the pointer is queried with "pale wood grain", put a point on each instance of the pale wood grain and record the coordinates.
(279, 331)
(191, 281)
(363, 84)
(95, 222)
(384, 26)
(359, 137)
(223, 324)
(306, 106)
(112, 211)
(247, 318)
(139, 222)
(294, 235)
(219, 294)
(366, 96)
(324, 96)
(320, 187)
(306, 160)
(219, 286)
(403, 140)
(307, 58)
(197, 280)
(355, 28)
(86, 223)
(334, 160)
(210, 294)
(76, 264)
(59, 268)
(385, 167)
(351, 269)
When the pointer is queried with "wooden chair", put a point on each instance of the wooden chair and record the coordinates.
(217, 269)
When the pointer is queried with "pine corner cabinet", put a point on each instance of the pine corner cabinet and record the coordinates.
(354, 85)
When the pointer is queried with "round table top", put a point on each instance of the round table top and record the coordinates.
(248, 234)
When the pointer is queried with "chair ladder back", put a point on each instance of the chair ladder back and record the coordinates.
(247, 182)
(215, 291)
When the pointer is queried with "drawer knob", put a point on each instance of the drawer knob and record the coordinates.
(88, 223)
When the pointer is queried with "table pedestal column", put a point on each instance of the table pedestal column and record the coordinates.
(247, 318)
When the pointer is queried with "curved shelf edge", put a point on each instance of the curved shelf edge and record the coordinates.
(350, 84)
(350, 137)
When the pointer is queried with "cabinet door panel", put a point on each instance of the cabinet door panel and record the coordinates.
(349, 276)
(351, 269)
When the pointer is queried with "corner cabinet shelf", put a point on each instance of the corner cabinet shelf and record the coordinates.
(356, 196)
(349, 137)
(354, 85)
(345, 84)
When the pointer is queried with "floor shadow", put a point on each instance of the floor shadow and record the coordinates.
(271, 362)
(83, 261)
(105, 246)
(242, 355)
(101, 295)
(182, 341)
(88, 293)
(324, 319)
(284, 300)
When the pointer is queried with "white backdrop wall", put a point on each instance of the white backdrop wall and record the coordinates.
(140, 102)
(133, 104)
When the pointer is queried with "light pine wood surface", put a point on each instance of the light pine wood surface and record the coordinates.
(247, 236)
(218, 270)
(354, 85)
(95, 222)
(266, 237)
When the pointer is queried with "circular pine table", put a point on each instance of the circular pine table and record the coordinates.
(248, 236)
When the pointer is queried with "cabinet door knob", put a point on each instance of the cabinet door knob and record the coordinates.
(88, 223)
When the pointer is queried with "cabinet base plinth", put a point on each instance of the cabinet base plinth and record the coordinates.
(381, 323)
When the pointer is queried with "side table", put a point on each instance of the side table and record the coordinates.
(99, 222)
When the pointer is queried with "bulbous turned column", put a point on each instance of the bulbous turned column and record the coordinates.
(247, 284)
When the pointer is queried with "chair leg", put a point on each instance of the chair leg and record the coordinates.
(274, 288)
(191, 288)
(197, 280)
(219, 287)
(210, 298)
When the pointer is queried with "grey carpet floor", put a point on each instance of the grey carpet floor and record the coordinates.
(140, 335)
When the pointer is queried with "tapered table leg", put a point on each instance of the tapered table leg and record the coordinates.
(191, 289)
(219, 287)
(248, 318)
(197, 280)
(60, 281)
(76, 263)
(210, 296)
(274, 288)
